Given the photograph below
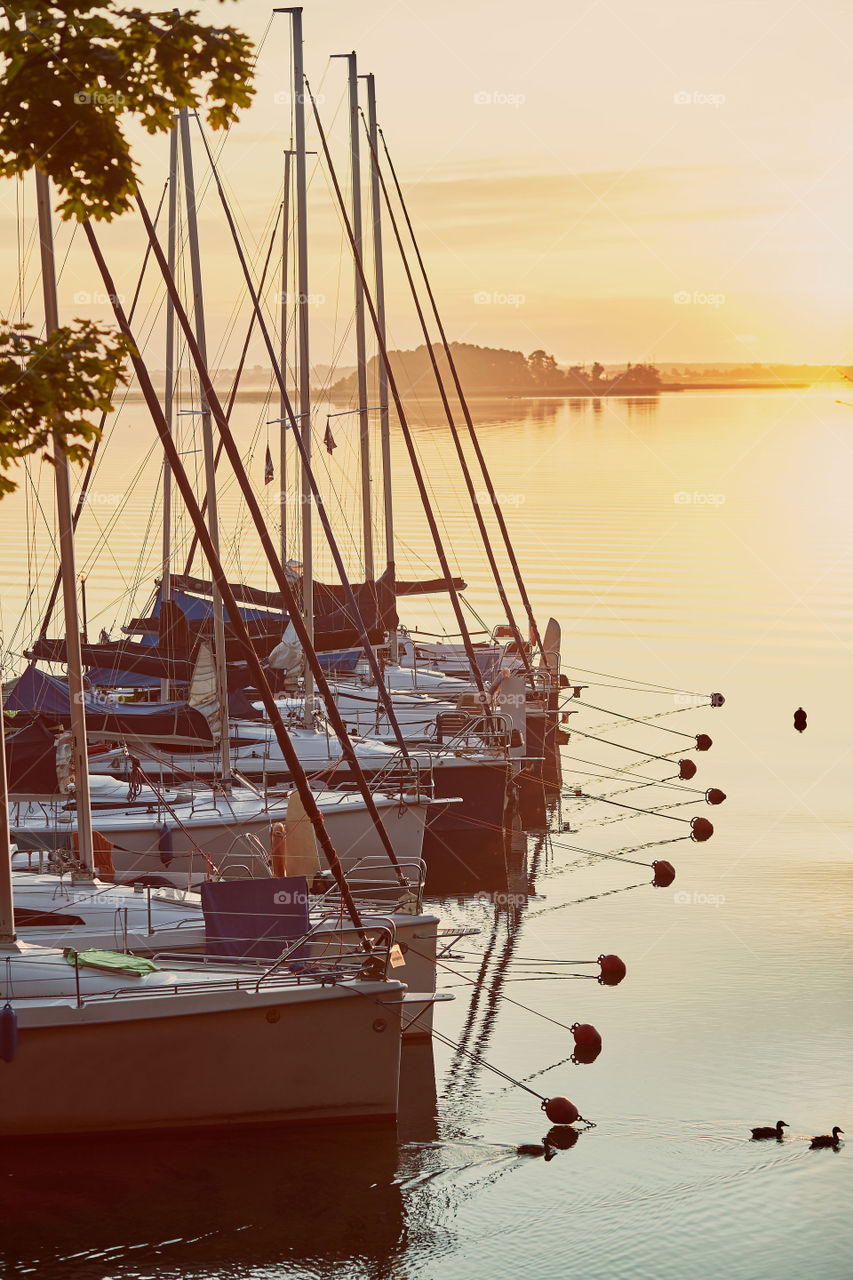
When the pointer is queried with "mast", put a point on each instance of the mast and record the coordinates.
(282, 462)
(166, 575)
(207, 438)
(379, 294)
(360, 336)
(304, 367)
(66, 551)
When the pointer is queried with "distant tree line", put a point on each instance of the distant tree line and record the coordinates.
(494, 371)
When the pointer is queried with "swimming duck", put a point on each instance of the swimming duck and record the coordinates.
(534, 1149)
(825, 1140)
(764, 1131)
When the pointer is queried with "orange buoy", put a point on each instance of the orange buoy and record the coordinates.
(560, 1110)
(278, 849)
(701, 829)
(613, 970)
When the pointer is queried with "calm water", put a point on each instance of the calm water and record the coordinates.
(736, 1008)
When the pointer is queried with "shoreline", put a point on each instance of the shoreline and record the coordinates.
(258, 395)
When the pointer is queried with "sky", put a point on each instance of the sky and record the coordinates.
(611, 180)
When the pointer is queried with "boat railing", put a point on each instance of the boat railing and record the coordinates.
(466, 730)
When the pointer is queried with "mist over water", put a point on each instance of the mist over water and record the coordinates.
(702, 541)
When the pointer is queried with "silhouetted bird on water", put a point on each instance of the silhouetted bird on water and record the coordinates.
(534, 1149)
(764, 1131)
(826, 1140)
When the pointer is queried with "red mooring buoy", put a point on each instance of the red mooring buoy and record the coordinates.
(703, 742)
(613, 970)
(701, 829)
(799, 720)
(714, 795)
(560, 1111)
(664, 874)
(717, 700)
(587, 1042)
(686, 770)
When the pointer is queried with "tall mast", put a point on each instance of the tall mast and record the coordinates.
(166, 574)
(379, 283)
(304, 367)
(66, 551)
(282, 461)
(360, 337)
(207, 438)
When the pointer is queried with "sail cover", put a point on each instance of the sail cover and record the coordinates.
(38, 692)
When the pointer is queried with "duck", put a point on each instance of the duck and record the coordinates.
(764, 1131)
(534, 1149)
(826, 1139)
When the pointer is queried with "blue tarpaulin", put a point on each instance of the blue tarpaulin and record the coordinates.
(258, 918)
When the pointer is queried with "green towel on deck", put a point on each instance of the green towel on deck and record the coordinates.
(112, 961)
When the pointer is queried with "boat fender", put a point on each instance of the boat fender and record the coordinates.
(8, 1033)
(164, 844)
(278, 849)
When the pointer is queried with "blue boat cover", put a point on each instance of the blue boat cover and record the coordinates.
(257, 918)
(48, 695)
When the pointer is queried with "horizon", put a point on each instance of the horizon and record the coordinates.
(711, 219)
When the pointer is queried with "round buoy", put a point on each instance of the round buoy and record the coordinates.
(686, 770)
(9, 1034)
(560, 1110)
(587, 1043)
(664, 874)
(717, 699)
(703, 742)
(714, 795)
(613, 970)
(701, 829)
(799, 720)
(585, 1033)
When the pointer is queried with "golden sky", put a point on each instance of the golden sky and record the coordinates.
(607, 180)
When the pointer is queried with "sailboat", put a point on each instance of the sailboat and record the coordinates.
(277, 1036)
